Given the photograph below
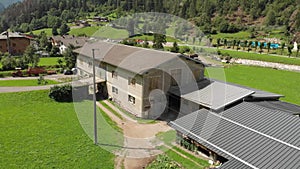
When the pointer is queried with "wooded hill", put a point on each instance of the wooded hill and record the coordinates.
(208, 14)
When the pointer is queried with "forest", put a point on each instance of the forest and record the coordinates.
(227, 16)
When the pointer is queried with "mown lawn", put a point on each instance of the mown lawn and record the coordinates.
(88, 31)
(111, 33)
(48, 31)
(29, 82)
(37, 132)
(242, 35)
(49, 61)
(276, 81)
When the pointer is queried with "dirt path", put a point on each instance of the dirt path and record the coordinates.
(139, 140)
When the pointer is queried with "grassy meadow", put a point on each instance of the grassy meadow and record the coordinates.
(272, 80)
(37, 132)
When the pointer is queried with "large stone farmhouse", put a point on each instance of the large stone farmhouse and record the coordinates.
(139, 79)
(238, 126)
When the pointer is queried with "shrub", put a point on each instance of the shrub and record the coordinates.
(61, 93)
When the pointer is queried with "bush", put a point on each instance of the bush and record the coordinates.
(61, 93)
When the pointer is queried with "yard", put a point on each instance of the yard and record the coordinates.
(276, 81)
(29, 82)
(37, 132)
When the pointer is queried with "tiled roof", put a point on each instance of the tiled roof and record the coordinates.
(134, 59)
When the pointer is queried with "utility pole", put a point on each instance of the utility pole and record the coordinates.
(94, 100)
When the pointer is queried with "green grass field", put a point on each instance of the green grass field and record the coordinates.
(49, 61)
(37, 132)
(88, 31)
(276, 81)
(48, 31)
(240, 35)
(111, 33)
(29, 82)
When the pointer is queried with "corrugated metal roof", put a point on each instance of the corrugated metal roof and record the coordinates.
(234, 164)
(258, 94)
(279, 105)
(255, 136)
(217, 95)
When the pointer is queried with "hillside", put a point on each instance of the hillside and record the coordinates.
(211, 16)
(6, 3)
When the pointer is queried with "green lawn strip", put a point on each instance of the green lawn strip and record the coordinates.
(29, 82)
(194, 158)
(168, 137)
(267, 79)
(49, 61)
(185, 162)
(37, 132)
(111, 110)
(240, 35)
(139, 120)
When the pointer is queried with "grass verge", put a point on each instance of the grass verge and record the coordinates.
(29, 82)
(111, 110)
(139, 120)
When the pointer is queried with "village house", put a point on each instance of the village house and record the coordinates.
(14, 43)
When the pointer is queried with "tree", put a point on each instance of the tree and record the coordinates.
(269, 46)
(282, 47)
(64, 29)
(245, 44)
(218, 42)
(271, 18)
(233, 43)
(158, 41)
(70, 57)
(256, 45)
(225, 42)
(175, 48)
(261, 46)
(30, 57)
(238, 44)
(290, 50)
(54, 31)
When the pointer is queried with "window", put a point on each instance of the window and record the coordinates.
(131, 99)
(0, 47)
(14, 45)
(115, 90)
(114, 74)
(131, 81)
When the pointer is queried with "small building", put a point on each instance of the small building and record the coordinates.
(14, 43)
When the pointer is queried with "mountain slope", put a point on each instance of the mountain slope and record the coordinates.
(6, 3)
